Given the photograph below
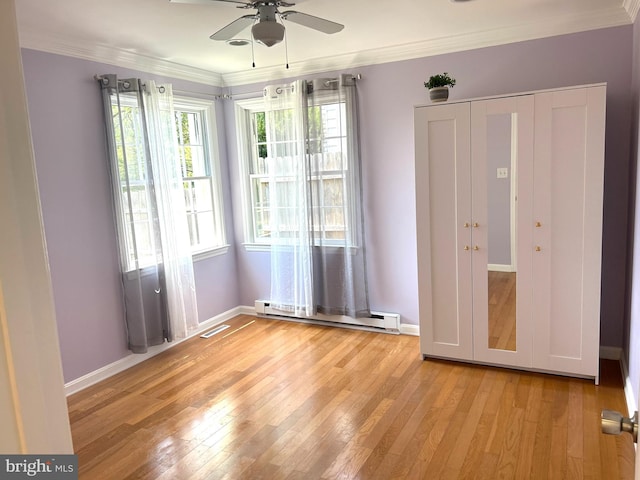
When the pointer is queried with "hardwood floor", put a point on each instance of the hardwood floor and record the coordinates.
(270, 399)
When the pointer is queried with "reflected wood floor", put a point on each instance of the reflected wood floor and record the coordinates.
(269, 399)
(502, 310)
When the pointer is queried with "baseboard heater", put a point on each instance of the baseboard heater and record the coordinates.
(384, 322)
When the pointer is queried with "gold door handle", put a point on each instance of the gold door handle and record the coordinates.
(538, 248)
(466, 225)
(476, 224)
(538, 224)
(476, 247)
(466, 247)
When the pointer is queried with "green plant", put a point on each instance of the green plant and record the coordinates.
(440, 80)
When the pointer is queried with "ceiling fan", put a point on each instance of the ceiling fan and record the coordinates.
(266, 29)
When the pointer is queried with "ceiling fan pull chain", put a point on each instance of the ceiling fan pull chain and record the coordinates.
(253, 56)
(286, 50)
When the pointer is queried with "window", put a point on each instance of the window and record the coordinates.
(197, 155)
(202, 189)
(327, 144)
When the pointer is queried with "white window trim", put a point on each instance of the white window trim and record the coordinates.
(209, 253)
(267, 247)
(257, 247)
(207, 107)
(243, 109)
(208, 111)
(197, 257)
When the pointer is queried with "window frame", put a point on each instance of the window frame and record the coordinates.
(207, 109)
(244, 109)
(246, 143)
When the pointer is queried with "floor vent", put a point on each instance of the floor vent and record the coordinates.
(211, 333)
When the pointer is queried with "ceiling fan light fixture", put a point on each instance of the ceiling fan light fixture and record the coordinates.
(268, 33)
(238, 42)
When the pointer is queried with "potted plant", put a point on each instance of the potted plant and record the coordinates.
(438, 86)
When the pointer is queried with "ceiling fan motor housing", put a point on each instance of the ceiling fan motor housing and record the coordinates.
(268, 31)
(267, 23)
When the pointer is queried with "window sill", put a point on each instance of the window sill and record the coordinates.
(265, 247)
(210, 253)
(149, 270)
(257, 247)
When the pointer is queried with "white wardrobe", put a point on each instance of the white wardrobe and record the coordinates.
(509, 229)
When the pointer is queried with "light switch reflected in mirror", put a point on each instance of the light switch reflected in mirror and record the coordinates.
(501, 197)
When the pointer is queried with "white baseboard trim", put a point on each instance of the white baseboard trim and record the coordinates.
(632, 404)
(132, 359)
(246, 310)
(410, 329)
(610, 353)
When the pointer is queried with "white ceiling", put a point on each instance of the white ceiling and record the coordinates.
(173, 39)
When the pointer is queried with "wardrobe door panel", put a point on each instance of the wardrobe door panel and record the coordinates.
(443, 195)
(568, 181)
(502, 187)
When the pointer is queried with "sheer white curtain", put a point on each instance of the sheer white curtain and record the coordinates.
(149, 204)
(177, 262)
(318, 261)
(289, 201)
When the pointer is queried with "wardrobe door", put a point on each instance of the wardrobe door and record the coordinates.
(568, 186)
(502, 190)
(443, 210)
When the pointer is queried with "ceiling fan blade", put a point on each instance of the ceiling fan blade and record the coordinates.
(209, 2)
(234, 28)
(317, 23)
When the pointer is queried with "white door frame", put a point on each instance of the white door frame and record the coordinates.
(33, 408)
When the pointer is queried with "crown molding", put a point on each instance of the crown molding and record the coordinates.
(119, 58)
(488, 38)
(632, 7)
(613, 17)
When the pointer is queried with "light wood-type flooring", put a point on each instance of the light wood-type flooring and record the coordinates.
(268, 399)
(502, 310)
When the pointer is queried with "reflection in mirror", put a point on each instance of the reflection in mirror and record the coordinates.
(502, 310)
(501, 174)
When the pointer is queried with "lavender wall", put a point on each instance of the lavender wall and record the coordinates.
(632, 327)
(388, 93)
(498, 189)
(67, 125)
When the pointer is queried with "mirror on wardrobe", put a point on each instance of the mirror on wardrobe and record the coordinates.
(501, 230)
